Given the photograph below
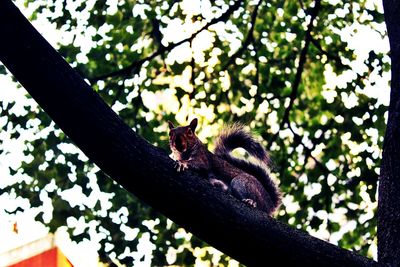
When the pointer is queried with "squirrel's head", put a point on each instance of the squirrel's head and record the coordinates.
(182, 138)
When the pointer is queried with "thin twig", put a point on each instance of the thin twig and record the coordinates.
(300, 68)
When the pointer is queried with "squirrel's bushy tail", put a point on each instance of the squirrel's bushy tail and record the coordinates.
(236, 136)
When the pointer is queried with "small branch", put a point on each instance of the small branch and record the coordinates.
(192, 77)
(300, 68)
(137, 64)
(257, 63)
(330, 56)
(301, 4)
(321, 166)
(157, 37)
(249, 38)
(308, 151)
(126, 71)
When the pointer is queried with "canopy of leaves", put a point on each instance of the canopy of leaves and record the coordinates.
(284, 68)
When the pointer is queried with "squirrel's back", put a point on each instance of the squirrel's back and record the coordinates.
(236, 136)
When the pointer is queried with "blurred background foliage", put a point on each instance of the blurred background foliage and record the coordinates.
(288, 69)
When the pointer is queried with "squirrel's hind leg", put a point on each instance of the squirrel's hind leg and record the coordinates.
(248, 190)
(218, 183)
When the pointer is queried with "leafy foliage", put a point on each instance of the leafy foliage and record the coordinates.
(222, 61)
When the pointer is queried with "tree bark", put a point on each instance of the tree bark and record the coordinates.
(246, 234)
(389, 180)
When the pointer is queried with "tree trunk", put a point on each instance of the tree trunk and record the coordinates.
(389, 181)
(246, 234)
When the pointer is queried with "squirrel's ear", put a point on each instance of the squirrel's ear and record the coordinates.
(171, 125)
(193, 124)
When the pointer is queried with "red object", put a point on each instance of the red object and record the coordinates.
(15, 227)
(49, 258)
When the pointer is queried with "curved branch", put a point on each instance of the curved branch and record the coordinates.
(246, 234)
(137, 64)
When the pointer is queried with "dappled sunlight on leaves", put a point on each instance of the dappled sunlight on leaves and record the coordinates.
(155, 61)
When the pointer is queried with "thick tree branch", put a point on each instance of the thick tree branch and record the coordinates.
(246, 234)
(299, 72)
(389, 180)
(137, 64)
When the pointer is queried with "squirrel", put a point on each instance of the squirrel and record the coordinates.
(247, 181)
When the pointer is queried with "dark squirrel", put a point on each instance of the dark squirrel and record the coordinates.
(247, 181)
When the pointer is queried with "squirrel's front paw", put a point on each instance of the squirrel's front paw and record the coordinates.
(250, 202)
(181, 166)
